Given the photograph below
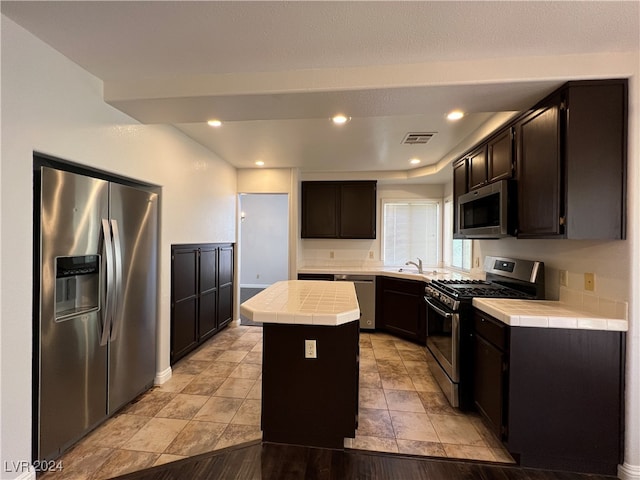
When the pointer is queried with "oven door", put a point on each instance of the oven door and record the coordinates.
(443, 342)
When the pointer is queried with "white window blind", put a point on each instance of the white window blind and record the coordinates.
(410, 232)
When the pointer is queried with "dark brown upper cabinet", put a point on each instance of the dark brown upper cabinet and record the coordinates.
(478, 168)
(339, 209)
(571, 162)
(539, 171)
(320, 210)
(568, 155)
(460, 186)
(500, 156)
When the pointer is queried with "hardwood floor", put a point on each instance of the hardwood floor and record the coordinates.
(282, 462)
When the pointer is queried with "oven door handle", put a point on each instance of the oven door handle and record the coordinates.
(438, 309)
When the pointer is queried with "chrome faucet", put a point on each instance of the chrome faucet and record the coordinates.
(418, 265)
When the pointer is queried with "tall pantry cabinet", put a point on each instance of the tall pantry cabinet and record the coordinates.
(201, 294)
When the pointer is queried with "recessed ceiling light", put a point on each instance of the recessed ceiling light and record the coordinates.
(340, 119)
(414, 161)
(214, 123)
(260, 163)
(455, 115)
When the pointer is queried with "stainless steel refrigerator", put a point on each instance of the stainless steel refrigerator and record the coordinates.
(95, 325)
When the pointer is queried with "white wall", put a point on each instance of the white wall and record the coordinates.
(609, 260)
(266, 180)
(264, 239)
(51, 105)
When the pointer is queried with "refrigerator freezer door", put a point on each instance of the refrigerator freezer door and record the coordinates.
(71, 365)
(132, 350)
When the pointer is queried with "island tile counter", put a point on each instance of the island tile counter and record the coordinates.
(305, 302)
(310, 361)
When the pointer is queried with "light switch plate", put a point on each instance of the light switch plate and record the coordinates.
(310, 350)
(564, 278)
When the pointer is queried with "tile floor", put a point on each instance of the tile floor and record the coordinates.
(212, 401)
(402, 408)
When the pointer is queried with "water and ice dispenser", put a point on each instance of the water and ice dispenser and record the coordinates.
(77, 285)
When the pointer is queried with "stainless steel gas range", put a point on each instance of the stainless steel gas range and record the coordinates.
(449, 322)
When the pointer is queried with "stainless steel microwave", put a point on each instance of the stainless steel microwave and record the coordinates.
(487, 212)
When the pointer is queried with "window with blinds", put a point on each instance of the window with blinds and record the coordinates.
(457, 252)
(411, 230)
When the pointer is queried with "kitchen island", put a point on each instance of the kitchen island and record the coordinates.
(310, 361)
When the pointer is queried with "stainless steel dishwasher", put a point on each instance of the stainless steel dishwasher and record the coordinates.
(366, 293)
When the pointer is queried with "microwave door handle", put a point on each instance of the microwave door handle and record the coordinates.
(438, 310)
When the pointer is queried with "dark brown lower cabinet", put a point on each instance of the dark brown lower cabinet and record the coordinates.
(225, 285)
(490, 369)
(310, 401)
(208, 292)
(401, 309)
(554, 396)
(201, 294)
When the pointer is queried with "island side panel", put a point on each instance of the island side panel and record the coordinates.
(310, 401)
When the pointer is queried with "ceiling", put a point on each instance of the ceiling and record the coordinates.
(275, 72)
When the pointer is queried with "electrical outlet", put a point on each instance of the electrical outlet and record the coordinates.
(310, 349)
(331, 255)
(590, 281)
(564, 278)
(371, 254)
(476, 262)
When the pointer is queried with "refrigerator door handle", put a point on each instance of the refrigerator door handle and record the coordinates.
(117, 291)
(106, 313)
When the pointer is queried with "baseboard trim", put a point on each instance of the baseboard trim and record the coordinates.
(255, 285)
(162, 377)
(29, 475)
(627, 471)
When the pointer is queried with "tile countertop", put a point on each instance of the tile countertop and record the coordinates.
(408, 273)
(546, 314)
(304, 303)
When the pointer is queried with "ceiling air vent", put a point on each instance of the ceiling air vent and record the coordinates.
(418, 138)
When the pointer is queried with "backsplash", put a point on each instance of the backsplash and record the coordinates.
(602, 306)
(339, 253)
(607, 260)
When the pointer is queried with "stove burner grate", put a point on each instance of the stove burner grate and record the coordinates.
(463, 289)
